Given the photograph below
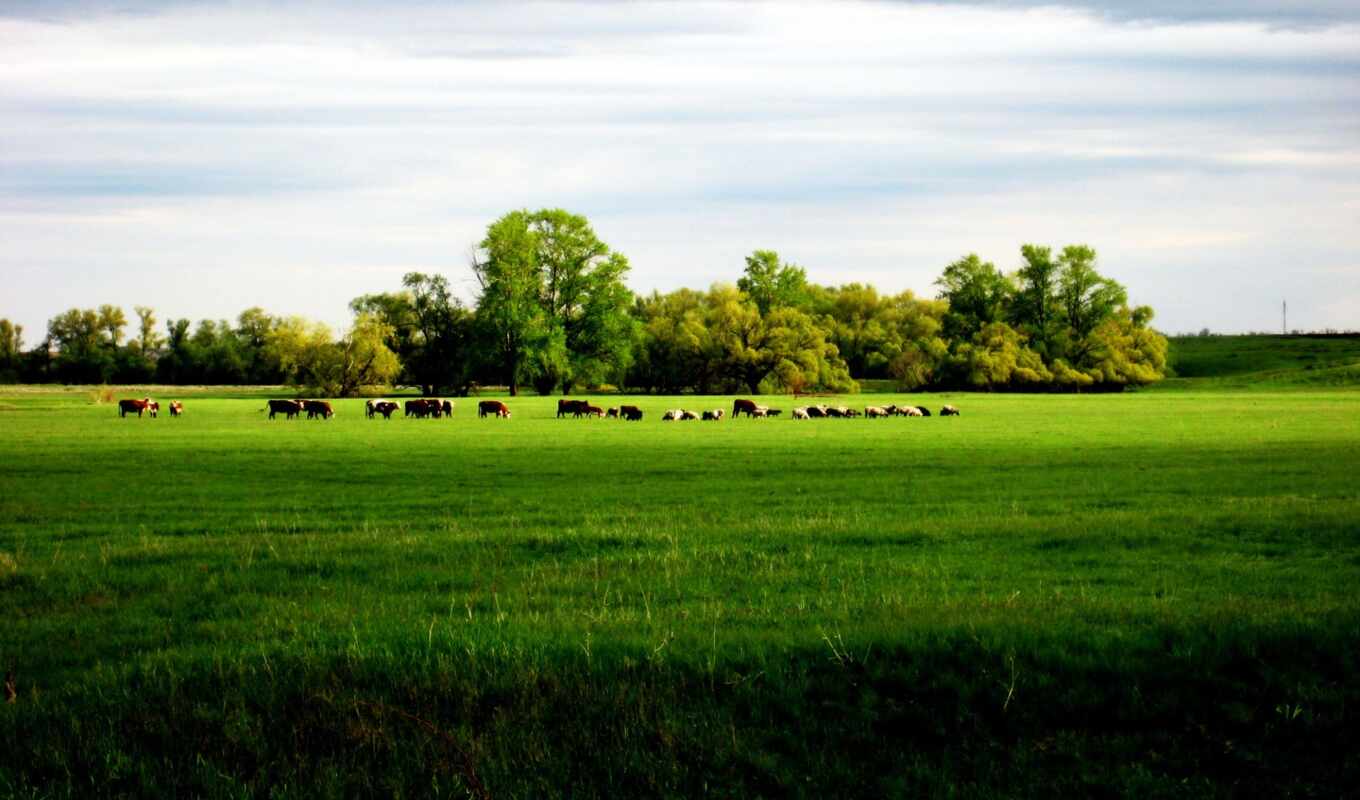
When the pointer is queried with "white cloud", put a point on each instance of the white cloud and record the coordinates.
(204, 159)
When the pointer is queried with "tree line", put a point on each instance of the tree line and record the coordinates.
(553, 312)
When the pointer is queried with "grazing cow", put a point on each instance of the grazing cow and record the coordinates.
(126, 407)
(688, 415)
(572, 407)
(949, 411)
(448, 408)
(832, 411)
(413, 406)
(612, 413)
(747, 407)
(910, 411)
(672, 415)
(773, 412)
(925, 412)
(318, 409)
(591, 411)
(630, 413)
(176, 408)
(493, 408)
(385, 407)
(714, 415)
(875, 411)
(817, 411)
(289, 408)
(800, 413)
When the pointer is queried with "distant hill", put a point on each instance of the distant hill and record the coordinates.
(1268, 362)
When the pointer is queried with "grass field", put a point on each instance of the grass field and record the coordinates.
(1149, 594)
(1262, 362)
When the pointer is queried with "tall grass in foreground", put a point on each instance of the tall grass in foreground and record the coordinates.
(1149, 594)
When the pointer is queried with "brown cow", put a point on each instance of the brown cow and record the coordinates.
(590, 411)
(612, 413)
(385, 407)
(176, 408)
(572, 407)
(447, 407)
(630, 413)
(318, 409)
(747, 407)
(289, 408)
(493, 408)
(126, 407)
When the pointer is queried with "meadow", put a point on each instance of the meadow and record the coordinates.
(1151, 593)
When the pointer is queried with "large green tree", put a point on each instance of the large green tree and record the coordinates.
(431, 331)
(553, 302)
(1087, 298)
(977, 294)
(773, 284)
(79, 337)
(1035, 308)
(785, 346)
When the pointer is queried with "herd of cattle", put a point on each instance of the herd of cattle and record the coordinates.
(149, 406)
(752, 410)
(435, 409)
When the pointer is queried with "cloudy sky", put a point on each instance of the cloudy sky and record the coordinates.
(202, 159)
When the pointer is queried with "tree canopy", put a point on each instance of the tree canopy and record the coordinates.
(552, 310)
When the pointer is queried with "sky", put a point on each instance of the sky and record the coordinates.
(203, 158)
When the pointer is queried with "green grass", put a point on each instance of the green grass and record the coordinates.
(1260, 362)
(1151, 593)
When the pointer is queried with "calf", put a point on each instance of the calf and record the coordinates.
(176, 408)
(489, 408)
(714, 415)
(612, 413)
(925, 412)
(773, 412)
(672, 415)
(590, 411)
(688, 415)
(630, 413)
(153, 407)
(949, 411)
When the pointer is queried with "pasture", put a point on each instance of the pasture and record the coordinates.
(1149, 593)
